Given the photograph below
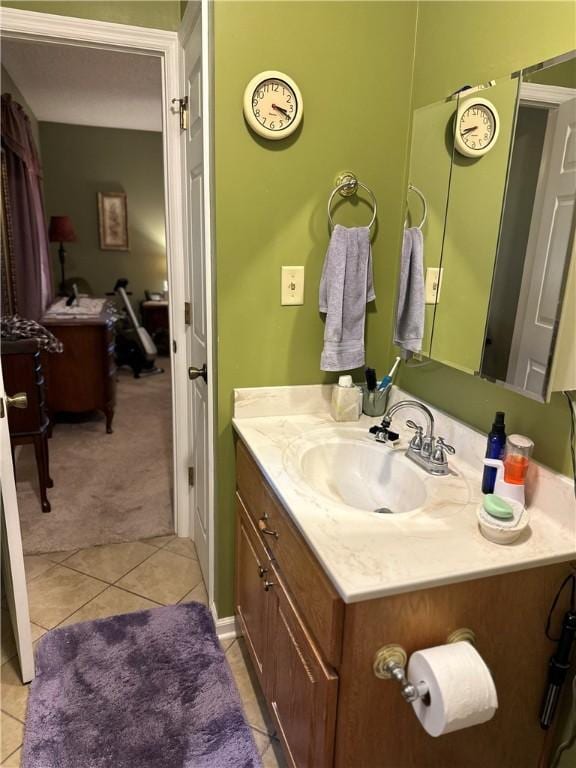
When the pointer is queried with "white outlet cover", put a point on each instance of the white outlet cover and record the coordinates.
(292, 282)
(433, 284)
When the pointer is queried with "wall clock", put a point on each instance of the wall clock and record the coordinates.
(476, 128)
(273, 105)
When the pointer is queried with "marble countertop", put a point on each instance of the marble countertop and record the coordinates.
(367, 555)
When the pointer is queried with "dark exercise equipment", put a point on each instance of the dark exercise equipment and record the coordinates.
(134, 347)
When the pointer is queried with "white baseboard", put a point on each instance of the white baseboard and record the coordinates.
(227, 627)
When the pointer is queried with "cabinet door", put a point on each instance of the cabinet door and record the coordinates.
(251, 580)
(301, 689)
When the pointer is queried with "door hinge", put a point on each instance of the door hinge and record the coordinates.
(191, 476)
(183, 111)
(187, 313)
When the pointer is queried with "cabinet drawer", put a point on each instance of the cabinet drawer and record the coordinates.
(317, 600)
(252, 574)
(301, 690)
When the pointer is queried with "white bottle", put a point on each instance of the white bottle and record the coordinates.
(346, 402)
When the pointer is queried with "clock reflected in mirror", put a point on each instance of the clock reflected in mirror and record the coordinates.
(476, 127)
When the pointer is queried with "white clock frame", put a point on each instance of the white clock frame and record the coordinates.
(250, 117)
(463, 148)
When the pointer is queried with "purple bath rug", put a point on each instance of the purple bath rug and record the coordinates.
(150, 689)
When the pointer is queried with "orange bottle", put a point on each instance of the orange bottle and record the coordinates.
(517, 459)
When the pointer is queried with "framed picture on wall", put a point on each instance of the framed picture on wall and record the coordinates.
(113, 221)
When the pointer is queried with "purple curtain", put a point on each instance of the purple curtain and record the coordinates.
(31, 254)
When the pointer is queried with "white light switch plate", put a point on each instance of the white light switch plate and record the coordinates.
(292, 285)
(433, 284)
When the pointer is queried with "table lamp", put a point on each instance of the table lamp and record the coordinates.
(61, 231)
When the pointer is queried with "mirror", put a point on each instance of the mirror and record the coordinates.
(476, 194)
(428, 187)
(500, 228)
(537, 233)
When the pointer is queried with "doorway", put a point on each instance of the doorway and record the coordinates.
(167, 49)
(96, 123)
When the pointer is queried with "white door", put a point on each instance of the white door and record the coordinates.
(199, 328)
(546, 253)
(13, 575)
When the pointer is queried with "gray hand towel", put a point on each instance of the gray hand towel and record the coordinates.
(409, 325)
(345, 288)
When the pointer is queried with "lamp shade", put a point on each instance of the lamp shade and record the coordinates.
(61, 230)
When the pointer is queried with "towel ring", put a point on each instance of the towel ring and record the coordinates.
(424, 203)
(347, 185)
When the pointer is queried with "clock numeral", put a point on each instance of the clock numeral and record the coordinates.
(289, 98)
(281, 123)
(291, 107)
(272, 124)
(257, 112)
(254, 102)
(275, 87)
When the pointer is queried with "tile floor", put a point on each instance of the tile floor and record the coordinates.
(67, 587)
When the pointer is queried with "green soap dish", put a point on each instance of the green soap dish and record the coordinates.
(498, 507)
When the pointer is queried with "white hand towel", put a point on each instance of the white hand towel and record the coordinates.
(346, 286)
(409, 325)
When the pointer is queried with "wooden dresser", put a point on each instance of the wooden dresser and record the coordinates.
(155, 320)
(23, 372)
(83, 377)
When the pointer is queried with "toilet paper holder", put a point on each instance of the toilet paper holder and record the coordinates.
(390, 664)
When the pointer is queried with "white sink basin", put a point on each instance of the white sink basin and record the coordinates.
(347, 466)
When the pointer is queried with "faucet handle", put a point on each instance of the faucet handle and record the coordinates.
(440, 450)
(416, 442)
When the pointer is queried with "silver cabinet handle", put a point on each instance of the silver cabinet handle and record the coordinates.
(268, 585)
(262, 571)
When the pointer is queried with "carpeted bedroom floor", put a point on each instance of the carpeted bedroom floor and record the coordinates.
(107, 488)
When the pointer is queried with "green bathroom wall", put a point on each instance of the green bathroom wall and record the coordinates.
(80, 161)
(461, 43)
(353, 63)
(158, 14)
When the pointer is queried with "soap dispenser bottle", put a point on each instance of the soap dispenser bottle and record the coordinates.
(494, 450)
(346, 404)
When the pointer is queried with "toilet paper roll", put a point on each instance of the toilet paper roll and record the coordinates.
(462, 692)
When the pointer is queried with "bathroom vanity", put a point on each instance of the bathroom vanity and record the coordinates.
(322, 585)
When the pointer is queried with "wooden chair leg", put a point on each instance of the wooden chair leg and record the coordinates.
(45, 451)
(109, 413)
(42, 475)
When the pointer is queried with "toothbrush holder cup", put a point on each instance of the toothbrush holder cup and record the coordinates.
(375, 402)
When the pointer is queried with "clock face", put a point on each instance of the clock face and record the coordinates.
(273, 105)
(477, 126)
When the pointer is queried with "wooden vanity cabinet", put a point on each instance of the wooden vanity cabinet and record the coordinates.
(313, 655)
(300, 686)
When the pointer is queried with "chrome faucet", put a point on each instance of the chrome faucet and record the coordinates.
(425, 450)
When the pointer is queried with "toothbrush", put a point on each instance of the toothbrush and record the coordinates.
(387, 380)
(371, 380)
